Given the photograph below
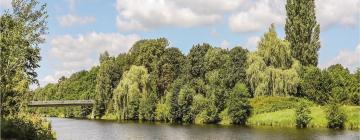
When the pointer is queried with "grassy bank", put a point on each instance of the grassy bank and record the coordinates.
(280, 112)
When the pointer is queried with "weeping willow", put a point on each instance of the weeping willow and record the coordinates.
(272, 71)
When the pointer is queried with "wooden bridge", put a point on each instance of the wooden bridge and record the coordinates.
(61, 103)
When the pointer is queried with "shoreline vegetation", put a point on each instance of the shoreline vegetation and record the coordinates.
(276, 116)
(278, 84)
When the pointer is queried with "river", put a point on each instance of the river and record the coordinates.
(76, 129)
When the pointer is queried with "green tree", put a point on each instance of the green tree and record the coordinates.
(343, 85)
(106, 80)
(134, 86)
(272, 70)
(235, 67)
(196, 60)
(21, 33)
(237, 105)
(203, 110)
(185, 99)
(315, 84)
(302, 114)
(148, 52)
(170, 67)
(302, 31)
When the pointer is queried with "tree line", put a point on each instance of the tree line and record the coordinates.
(210, 84)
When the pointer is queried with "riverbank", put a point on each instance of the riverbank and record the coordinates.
(286, 118)
(280, 112)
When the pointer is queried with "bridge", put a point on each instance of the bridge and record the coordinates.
(61, 103)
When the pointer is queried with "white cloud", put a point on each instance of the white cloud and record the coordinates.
(71, 54)
(349, 59)
(225, 44)
(149, 14)
(6, 4)
(343, 12)
(71, 20)
(258, 16)
(252, 43)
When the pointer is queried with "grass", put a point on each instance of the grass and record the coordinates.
(282, 118)
(265, 104)
(352, 116)
(286, 118)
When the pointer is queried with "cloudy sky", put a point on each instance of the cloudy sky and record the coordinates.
(81, 29)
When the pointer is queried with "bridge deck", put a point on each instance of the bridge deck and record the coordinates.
(61, 103)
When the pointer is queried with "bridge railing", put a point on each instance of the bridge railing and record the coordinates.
(61, 103)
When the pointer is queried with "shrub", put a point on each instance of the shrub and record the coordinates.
(336, 117)
(26, 127)
(302, 113)
(203, 110)
(238, 107)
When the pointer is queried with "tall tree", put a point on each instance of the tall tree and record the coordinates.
(196, 59)
(104, 85)
(20, 34)
(236, 66)
(302, 31)
(133, 92)
(170, 67)
(275, 73)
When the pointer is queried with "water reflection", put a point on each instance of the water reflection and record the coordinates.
(72, 129)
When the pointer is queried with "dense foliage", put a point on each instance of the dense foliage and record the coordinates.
(272, 70)
(302, 115)
(302, 31)
(335, 115)
(210, 84)
(21, 31)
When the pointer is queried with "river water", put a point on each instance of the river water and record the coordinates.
(75, 129)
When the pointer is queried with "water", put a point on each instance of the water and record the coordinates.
(73, 129)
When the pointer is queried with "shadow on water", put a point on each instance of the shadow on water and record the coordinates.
(78, 129)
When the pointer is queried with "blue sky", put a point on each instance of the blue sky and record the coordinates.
(81, 29)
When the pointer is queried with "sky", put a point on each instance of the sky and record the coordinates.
(79, 30)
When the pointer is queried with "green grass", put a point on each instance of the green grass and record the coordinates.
(282, 118)
(352, 117)
(264, 104)
(286, 118)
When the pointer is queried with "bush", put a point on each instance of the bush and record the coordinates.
(238, 107)
(203, 110)
(302, 114)
(26, 127)
(336, 117)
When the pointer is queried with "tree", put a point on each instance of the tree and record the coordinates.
(21, 33)
(343, 85)
(147, 106)
(235, 67)
(106, 80)
(275, 51)
(184, 103)
(148, 52)
(202, 110)
(302, 31)
(275, 73)
(315, 84)
(237, 105)
(133, 90)
(170, 67)
(196, 60)
(302, 114)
